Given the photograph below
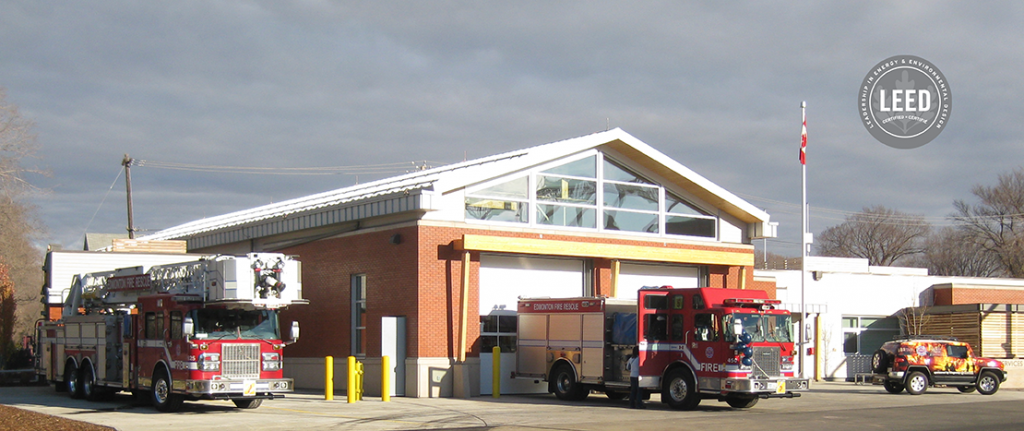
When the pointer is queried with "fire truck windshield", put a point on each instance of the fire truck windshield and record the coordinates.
(761, 327)
(216, 323)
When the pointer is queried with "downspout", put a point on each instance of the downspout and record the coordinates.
(463, 327)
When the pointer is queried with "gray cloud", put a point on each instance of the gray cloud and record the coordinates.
(320, 83)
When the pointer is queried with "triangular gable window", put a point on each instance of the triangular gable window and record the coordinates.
(583, 168)
(578, 195)
(615, 172)
(515, 189)
(682, 218)
(678, 205)
(507, 202)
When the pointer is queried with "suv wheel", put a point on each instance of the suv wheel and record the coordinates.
(988, 383)
(893, 387)
(917, 383)
(880, 362)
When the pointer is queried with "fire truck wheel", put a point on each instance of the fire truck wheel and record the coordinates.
(741, 402)
(87, 380)
(163, 399)
(893, 387)
(917, 383)
(616, 395)
(565, 385)
(988, 383)
(679, 391)
(247, 404)
(880, 361)
(71, 380)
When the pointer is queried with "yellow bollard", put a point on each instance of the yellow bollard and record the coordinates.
(329, 378)
(385, 379)
(359, 381)
(496, 372)
(351, 379)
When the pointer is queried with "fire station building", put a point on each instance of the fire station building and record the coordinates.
(426, 267)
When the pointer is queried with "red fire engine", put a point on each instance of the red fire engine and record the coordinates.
(694, 343)
(205, 329)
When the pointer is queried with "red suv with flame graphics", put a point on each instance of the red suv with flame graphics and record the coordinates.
(915, 363)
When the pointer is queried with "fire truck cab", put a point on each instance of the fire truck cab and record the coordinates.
(694, 343)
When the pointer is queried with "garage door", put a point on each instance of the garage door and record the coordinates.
(503, 279)
(633, 276)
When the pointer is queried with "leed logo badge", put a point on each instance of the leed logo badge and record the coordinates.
(905, 101)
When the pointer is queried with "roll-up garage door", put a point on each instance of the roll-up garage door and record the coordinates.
(633, 276)
(503, 279)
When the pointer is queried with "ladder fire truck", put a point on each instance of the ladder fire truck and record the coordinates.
(205, 329)
(694, 343)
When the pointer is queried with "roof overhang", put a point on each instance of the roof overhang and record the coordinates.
(547, 247)
(628, 146)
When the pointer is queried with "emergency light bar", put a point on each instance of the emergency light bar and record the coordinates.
(764, 304)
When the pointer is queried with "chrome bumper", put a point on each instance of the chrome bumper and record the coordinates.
(778, 386)
(238, 387)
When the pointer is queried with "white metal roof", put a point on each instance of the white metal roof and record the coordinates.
(452, 177)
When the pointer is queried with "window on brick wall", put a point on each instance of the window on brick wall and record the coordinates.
(359, 315)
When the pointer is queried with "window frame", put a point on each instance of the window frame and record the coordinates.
(154, 325)
(498, 334)
(859, 329)
(531, 212)
(359, 292)
(525, 203)
(177, 320)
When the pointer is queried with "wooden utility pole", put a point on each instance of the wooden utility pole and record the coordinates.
(127, 163)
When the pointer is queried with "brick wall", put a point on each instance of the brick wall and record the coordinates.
(441, 278)
(327, 268)
(961, 295)
(421, 279)
(767, 286)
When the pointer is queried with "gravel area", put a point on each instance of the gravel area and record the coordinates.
(15, 419)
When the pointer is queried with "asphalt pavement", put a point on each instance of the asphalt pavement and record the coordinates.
(829, 405)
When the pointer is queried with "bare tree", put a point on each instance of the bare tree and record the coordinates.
(18, 225)
(7, 308)
(954, 251)
(996, 223)
(775, 261)
(881, 235)
(913, 319)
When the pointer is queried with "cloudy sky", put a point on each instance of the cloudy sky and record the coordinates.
(378, 86)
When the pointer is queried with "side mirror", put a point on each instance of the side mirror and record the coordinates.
(187, 327)
(737, 328)
(295, 331)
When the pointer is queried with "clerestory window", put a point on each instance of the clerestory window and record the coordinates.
(590, 192)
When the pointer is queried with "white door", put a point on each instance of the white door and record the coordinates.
(633, 276)
(393, 346)
(503, 279)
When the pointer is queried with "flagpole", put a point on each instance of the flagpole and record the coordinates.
(803, 240)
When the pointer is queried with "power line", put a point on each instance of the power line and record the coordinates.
(383, 168)
(781, 207)
(101, 202)
(886, 219)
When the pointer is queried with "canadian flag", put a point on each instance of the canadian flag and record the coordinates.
(803, 143)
